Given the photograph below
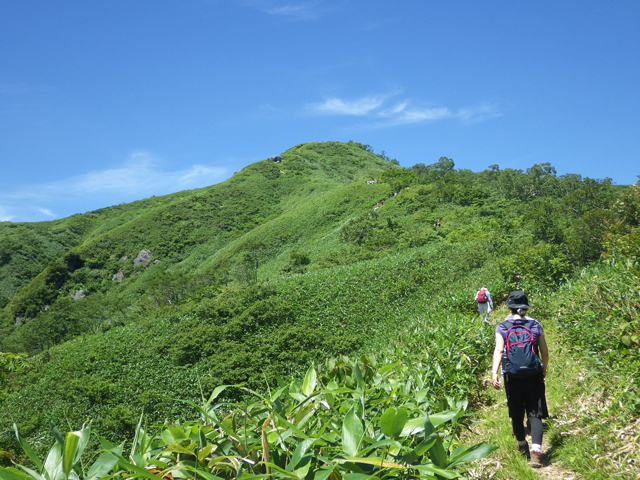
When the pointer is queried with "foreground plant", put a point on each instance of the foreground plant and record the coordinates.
(352, 421)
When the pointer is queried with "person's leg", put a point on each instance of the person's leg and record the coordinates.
(482, 308)
(517, 423)
(516, 409)
(532, 396)
(536, 432)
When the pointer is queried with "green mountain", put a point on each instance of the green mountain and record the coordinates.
(145, 306)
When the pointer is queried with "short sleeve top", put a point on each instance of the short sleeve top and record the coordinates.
(536, 328)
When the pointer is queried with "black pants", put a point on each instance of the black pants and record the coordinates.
(526, 395)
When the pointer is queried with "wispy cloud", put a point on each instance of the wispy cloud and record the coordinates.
(5, 216)
(382, 112)
(139, 177)
(337, 106)
(307, 10)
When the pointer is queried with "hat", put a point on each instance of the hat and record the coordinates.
(517, 299)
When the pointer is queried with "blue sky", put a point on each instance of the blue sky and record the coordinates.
(108, 102)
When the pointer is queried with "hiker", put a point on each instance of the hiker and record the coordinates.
(485, 304)
(521, 349)
(438, 223)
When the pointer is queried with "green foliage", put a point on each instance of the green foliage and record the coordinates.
(364, 422)
(286, 264)
(623, 236)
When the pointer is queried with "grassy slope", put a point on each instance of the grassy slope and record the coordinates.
(185, 230)
(306, 203)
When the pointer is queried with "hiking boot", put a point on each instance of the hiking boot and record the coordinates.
(536, 460)
(523, 449)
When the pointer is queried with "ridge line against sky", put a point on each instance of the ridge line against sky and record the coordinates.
(102, 104)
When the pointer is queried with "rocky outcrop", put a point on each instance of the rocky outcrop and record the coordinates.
(79, 295)
(118, 276)
(143, 257)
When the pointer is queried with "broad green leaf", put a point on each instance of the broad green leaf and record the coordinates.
(360, 476)
(304, 415)
(438, 419)
(300, 397)
(413, 427)
(433, 470)
(12, 474)
(388, 368)
(352, 432)
(416, 454)
(382, 443)
(31, 473)
(56, 433)
(392, 421)
(437, 453)
(203, 473)
(176, 432)
(300, 451)
(282, 471)
(480, 450)
(85, 434)
(323, 473)
(217, 391)
(180, 449)
(71, 447)
(52, 468)
(140, 472)
(310, 381)
(105, 463)
(303, 467)
(339, 390)
(381, 462)
(361, 385)
(27, 448)
(204, 452)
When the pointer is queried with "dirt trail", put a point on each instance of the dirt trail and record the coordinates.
(488, 468)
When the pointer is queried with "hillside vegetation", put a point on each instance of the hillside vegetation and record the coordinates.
(286, 286)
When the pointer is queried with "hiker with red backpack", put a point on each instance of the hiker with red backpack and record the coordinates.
(521, 349)
(485, 304)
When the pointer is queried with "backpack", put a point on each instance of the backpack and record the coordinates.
(482, 296)
(520, 358)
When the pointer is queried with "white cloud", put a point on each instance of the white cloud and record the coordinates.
(383, 114)
(5, 216)
(307, 10)
(139, 177)
(46, 212)
(336, 106)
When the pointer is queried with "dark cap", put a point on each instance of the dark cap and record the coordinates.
(517, 299)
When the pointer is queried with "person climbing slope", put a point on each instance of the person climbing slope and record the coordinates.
(521, 349)
(485, 304)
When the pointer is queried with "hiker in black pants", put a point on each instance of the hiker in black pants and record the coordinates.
(522, 350)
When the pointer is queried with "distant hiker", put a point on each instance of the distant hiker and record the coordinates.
(521, 349)
(516, 279)
(438, 223)
(485, 304)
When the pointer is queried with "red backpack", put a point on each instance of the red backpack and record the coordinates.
(482, 296)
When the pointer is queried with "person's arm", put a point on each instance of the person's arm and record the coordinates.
(544, 352)
(497, 358)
